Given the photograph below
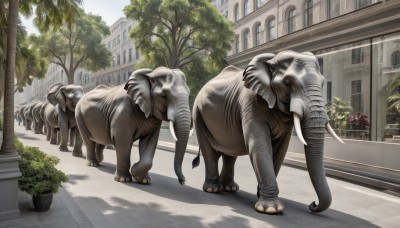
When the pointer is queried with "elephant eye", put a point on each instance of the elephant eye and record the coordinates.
(287, 82)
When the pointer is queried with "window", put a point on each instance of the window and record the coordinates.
(246, 34)
(357, 55)
(308, 13)
(114, 42)
(329, 92)
(333, 8)
(290, 16)
(271, 34)
(137, 53)
(113, 61)
(257, 35)
(124, 58)
(356, 96)
(118, 39)
(321, 65)
(246, 7)
(124, 35)
(362, 3)
(118, 59)
(395, 59)
(130, 54)
(258, 4)
(236, 9)
(236, 44)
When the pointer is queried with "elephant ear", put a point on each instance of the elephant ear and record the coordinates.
(257, 77)
(61, 100)
(139, 89)
(52, 93)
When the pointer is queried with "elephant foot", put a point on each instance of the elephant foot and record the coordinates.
(92, 163)
(142, 179)
(269, 206)
(100, 157)
(212, 187)
(54, 143)
(230, 186)
(77, 153)
(64, 149)
(123, 178)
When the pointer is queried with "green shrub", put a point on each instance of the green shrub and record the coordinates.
(39, 173)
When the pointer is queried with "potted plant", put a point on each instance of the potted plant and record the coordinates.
(358, 125)
(338, 112)
(40, 178)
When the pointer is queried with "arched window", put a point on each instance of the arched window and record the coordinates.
(271, 31)
(308, 13)
(333, 8)
(396, 59)
(257, 4)
(236, 12)
(246, 7)
(236, 44)
(290, 16)
(246, 35)
(257, 34)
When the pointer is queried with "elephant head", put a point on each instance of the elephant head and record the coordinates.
(293, 82)
(163, 93)
(66, 96)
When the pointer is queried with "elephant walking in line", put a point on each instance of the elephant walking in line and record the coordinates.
(60, 115)
(21, 114)
(120, 115)
(29, 117)
(37, 119)
(253, 112)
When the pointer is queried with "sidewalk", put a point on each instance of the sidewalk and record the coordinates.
(92, 198)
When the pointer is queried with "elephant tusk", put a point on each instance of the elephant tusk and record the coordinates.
(171, 128)
(297, 127)
(332, 133)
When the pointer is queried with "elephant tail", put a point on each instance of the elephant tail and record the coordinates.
(196, 160)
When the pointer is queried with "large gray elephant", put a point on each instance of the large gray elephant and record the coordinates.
(253, 112)
(43, 117)
(21, 115)
(120, 115)
(61, 114)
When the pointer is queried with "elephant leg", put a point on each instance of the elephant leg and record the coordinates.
(53, 135)
(91, 159)
(99, 152)
(64, 137)
(258, 142)
(77, 151)
(211, 156)
(280, 147)
(147, 148)
(48, 131)
(58, 136)
(123, 146)
(72, 135)
(227, 174)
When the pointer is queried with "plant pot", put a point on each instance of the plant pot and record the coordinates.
(42, 202)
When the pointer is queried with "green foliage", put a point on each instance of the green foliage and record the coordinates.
(187, 34)
(39, 173)
(338, 113)
(394, 94)
(79, 44)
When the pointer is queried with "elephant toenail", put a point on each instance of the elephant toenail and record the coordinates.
(209, 190)
(279, 207)
(227, 188)
(260, 208)
(234, 189)
(270, 210)
(144, 181)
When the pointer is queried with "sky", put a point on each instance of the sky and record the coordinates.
(109, 10)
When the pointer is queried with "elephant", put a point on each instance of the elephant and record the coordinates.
(60, 114)
(17, 117)
(120, 115)
(253, 112)
(29, 117)
(42, 116)
(21, 115)
(37, 119)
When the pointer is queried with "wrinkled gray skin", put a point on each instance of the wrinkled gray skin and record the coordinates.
(118, 116)
(17, 116)
(60, 114)
(28, 116)
(251, 112)
(36, 118)
(43, 118)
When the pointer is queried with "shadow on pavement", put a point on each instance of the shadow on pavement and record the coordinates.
(25, 136)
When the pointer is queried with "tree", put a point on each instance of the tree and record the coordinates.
(394, 94)
(76, 45)
(187, 34)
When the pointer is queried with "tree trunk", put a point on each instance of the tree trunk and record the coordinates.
(8, 132)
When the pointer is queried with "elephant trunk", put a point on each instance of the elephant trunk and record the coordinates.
(181, 126)
(313, 128)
